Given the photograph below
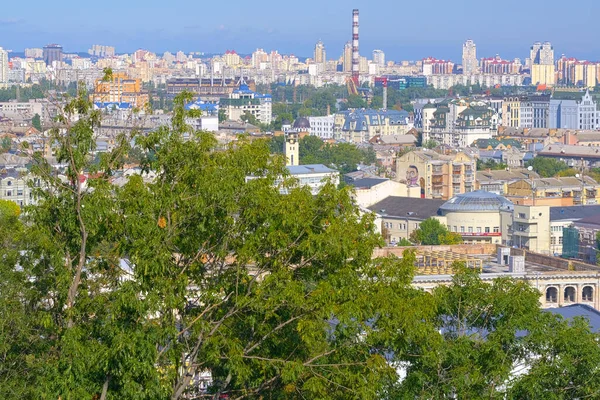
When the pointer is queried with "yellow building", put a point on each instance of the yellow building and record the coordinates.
(120, 89)
(511, 111)
(543, 74)
(440, 176)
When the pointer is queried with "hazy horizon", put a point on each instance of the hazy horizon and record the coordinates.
(402, 31)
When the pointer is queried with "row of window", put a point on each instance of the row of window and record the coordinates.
(478, 229)
(401, 226)
(570, 294)
(9, 193)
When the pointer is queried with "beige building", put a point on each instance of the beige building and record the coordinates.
(527, 227)
(401, 216)
(476, 216)
(439, 176)
(554, 192)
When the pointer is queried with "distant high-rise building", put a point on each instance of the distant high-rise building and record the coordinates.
(34, 53)
(543, 71)
(469, 58)
(542, 53)
(52, 52)
(347, 57)
(102, 51)
(3, 65)
(320, 54)
(379, 57)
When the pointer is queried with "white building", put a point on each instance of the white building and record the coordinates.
(3, 65)
(21, 110)
(244, 100)
(313, 176)
(15, 188)
(322, 127)
(469, 58)
(379, 57)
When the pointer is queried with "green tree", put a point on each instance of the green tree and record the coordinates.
(490, 164)
(36, 121)
(222, 115)
(5, 144)
(430, 144)
(250, 118)
(432, 232)
(547, 167)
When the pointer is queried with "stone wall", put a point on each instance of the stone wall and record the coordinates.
(467, 249)
(554, 262)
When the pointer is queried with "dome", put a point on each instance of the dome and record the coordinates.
(478, 201)
(302, 123)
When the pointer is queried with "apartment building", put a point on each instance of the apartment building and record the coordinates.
(359, 126)
(120, 89)
(243, 100)
(439, 176)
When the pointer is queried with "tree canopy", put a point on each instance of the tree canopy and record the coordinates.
(547, 167)
(138, 291)
(432, 232)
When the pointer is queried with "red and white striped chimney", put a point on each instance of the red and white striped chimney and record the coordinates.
(355, 55)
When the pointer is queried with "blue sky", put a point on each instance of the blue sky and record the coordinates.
(405, 30)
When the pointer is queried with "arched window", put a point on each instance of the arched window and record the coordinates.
(587, 293)
(551, 295)
(570, 294)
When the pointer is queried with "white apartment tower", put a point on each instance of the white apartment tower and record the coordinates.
(542, 53)
(320, 54)
(469, 58)
(379, 57)
(3, 65)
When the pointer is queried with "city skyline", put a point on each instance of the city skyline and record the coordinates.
(153, 28)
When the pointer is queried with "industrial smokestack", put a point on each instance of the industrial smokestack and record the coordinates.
(355, 55)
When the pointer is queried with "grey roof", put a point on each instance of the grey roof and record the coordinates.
(579, 310)
(302, 123)
(309, 169)
(478, 200)
(573, 212)
(367, 183)
(407, 207)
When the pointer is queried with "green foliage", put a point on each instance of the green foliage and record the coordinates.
(222, 116)
(430, 144)
(490, 164)
(129, 292)
(432, 232)
(567, 172)
(36, 121)
(250, 118)
(547, 167)
(344, 157)
(5, 144)
(404, 242)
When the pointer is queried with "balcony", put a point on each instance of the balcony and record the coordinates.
(456, 179)
(437, 171)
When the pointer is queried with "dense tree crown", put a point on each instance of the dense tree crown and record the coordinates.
(344, 157)
(547, 167)
(132, 292)
(432, 232)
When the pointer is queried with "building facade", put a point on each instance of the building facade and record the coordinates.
(3, 65)
(322, 127)
(439, 176)
(52, 53)
(574, 110)
(359, 126)
(469, 58)
(120, 89)
(243, 100)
